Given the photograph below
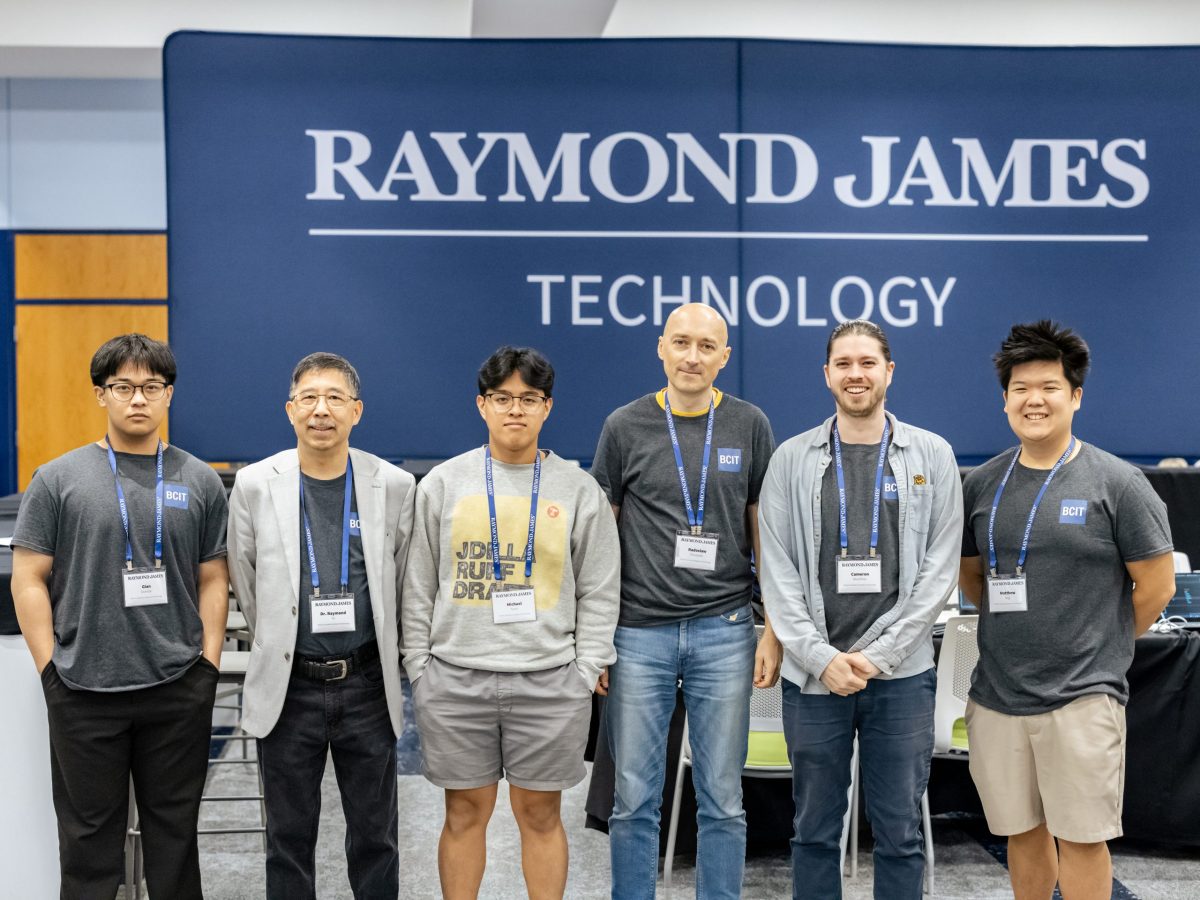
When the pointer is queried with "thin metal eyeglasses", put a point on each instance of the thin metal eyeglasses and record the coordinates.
(124, 391)
(530, 403)
(333, 401)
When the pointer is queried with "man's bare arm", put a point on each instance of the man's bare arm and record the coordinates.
(31, 597)
(1153, 587)
(970, 578)
(214, 607)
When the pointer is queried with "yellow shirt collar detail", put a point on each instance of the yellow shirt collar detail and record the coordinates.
(661, 397)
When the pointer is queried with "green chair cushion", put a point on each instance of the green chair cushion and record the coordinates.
(767, 748)
(958, 737)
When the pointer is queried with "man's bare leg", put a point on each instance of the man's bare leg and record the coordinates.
(462, 849)
(1084, 871)
(1033, 864)
(543, 842)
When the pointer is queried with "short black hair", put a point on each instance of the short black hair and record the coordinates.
(136, 350)
(535, 369)
(319, 362)
(1044, 341)
(863, 327)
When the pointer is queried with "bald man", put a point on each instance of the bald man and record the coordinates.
(682, 468)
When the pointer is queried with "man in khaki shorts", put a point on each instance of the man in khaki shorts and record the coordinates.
(1069, 549)
(509, 606)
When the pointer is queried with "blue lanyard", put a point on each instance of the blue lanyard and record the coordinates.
(312, 555)
(491, 495)
(158, 505)
(1033, 512)
(841, 481)
(695, 516)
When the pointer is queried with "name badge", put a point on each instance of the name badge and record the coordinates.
(1006, 593)
(859, 575)
(513, 605)
(332, 613)
(145, 587)
(696, 551)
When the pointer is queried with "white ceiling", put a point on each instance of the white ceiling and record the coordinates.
(123, 38)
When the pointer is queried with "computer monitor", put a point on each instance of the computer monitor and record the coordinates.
(1186, 602)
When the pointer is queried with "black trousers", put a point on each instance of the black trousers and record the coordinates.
(350, 719)
(161, 736)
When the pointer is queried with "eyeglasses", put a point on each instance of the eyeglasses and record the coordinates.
(333, 401)
(529, 402)
(124, 391)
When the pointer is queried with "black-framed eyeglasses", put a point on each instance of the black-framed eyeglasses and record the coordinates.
(124, 391)
(333, 401)
(502, 402)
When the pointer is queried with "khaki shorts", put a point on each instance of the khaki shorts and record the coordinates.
(1065, 768)
(477, 726)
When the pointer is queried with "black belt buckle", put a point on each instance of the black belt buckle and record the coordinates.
(345, 664)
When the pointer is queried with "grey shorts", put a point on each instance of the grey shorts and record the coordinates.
(478, 727)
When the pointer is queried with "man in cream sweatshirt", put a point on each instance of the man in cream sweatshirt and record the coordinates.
(509, 606)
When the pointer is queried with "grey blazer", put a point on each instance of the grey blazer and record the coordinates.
(264, 568)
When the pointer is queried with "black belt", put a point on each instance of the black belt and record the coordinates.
(335, 668)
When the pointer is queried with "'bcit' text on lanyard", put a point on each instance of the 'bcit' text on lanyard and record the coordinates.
(860, 574)
(1006, 593)
(514, 604)
(330, 612)
(143, 586)
(694, 548)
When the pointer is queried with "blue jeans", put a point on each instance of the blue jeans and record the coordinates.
(350, 719)
(894, 721)
(714, 658)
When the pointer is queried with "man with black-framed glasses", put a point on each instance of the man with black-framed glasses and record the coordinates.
(509, 607)
(318, 536)
(121, 590)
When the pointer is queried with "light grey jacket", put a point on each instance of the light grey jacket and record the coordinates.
(264, 568)
(930, 530)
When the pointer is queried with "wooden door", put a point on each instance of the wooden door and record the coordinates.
(73, 292)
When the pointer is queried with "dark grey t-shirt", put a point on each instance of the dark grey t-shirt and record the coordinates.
(1077, 636)
(848, 616)
(70, 512)
(635, 466)
(325, 500)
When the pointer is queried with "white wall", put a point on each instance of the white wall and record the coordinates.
(81, 127)
(123, 38)
(5, 169)
(1004, 22)
(83, 153)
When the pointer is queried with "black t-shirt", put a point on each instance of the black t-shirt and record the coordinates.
(70, 512)
(848, 616)
(1076, 638)
(325, 501)
(636, 467)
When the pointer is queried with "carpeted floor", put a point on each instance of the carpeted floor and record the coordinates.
(969, 862)
(965, 868)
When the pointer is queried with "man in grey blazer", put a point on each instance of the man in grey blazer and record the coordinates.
(317, 542)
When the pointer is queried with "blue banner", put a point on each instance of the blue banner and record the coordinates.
(413, 204)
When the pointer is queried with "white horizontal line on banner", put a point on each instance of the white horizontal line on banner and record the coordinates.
(737, 235)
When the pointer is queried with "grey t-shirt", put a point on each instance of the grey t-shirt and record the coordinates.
(325, 501)
(848, 616)
(70, 512)
(635, 466)
(1077, 636)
